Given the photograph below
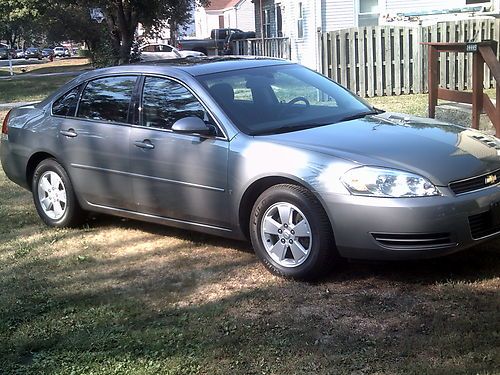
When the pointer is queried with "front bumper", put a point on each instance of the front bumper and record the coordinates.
(410, 228)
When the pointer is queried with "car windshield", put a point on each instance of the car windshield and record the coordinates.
(282, 98)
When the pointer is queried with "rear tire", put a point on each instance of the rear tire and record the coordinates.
(291, 233)
(53, 195)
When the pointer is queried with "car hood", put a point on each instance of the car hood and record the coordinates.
(439, 151)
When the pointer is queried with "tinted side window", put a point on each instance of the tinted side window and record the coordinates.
(165, 101)
(107, 99)
(165, 48)
(66, 104)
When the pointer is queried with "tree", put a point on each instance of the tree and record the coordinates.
(67, 19)
(19, 19)
(123, 17)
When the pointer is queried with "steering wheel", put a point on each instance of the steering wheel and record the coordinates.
(299, 99)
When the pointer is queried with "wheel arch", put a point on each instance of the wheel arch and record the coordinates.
(257, 187)
(33, 161)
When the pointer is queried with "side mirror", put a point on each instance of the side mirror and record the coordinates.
(195, 125)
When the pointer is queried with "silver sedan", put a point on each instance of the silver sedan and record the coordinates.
(256, 148)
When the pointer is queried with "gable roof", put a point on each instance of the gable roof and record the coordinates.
(222, 4)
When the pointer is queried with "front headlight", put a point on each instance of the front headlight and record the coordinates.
(382, 182)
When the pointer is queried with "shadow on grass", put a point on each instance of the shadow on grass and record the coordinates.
(115, 315)
(121, 296)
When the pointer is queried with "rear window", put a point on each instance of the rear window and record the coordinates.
(66, 104)
(107, 99)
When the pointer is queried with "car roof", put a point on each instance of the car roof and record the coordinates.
(194, 66)
(197, 66)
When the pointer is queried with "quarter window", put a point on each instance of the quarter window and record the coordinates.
(165, 101)
(107, 99)
(66, 104)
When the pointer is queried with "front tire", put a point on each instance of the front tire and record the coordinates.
(53, 195)
(291, 233)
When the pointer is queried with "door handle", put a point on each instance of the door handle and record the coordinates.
(69, 133)
(144, 144)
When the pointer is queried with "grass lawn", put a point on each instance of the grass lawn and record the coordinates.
(123, 297)
(36, 88)
(119, 296)
(30, 88)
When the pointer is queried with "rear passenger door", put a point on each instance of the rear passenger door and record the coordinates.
(95, 141)
(179, 176)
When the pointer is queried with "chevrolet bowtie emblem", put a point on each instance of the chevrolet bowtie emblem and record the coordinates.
(491, 179)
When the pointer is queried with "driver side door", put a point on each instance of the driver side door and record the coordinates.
(177, 176)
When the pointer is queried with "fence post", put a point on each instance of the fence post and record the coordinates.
(419, 73)
(433, 79)
(477, 88)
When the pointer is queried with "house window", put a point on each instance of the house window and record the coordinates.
(300, 22)
(368, 6)
(267, 23)
(368, 12)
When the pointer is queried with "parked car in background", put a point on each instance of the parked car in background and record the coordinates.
(230, 43)
(210, 45)
(33, 53)
(256, 148)
(4, 53)
(152, 52)
(61, 51)
(19, 54)
(47, 52)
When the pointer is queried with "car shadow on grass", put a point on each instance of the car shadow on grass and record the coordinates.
(184, 306)
(102, 220)
(212, 321)
(471, 265)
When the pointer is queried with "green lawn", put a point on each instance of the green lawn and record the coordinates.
(412, 104)
(30, 89)
(122, 297)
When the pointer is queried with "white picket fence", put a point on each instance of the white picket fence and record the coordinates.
(385, 60)
(271, 47)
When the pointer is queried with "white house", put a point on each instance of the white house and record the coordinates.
(237, 14)
(301, 20)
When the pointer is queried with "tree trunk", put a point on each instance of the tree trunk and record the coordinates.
(125, 48)
(126, 22)
(172, 25)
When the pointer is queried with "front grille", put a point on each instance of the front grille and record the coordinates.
(482, 225)
(414, 240)
(475, 183)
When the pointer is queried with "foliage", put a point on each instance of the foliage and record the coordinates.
(111, 42)
(19, 19)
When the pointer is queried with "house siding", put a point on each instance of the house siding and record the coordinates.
(401, 6)
(338, 14)
(303, 50)
(244, 16)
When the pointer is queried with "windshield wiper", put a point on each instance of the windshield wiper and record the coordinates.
(360, 115)
(287, 128)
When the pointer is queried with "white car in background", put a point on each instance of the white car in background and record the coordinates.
(152, 52)
(61, 52)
